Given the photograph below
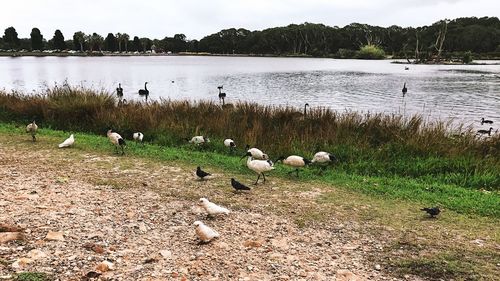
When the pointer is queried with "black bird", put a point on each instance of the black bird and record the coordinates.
(486, 121)
(405, 90)
(201, 174)
(238, 186)
(222, 96)
(145, 91)
(119, 90)
(305, 109)
(484, 132)
(433, 212)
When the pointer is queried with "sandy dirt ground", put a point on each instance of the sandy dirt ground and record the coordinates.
(86, 216)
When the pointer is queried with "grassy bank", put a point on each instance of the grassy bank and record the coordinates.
(452, 197)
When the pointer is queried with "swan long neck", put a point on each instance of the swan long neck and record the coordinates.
(146, 86)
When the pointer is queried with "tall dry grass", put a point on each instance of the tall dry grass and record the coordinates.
(365, 143)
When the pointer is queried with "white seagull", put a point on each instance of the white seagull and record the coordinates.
(68, 142)
(205, 233)
(212, 208)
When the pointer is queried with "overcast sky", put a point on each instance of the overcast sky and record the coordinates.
(160, 18)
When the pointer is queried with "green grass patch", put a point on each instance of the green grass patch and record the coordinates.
(448, 196)
(368, 145)
(32, 276)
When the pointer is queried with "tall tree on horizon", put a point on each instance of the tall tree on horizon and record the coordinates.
(125, 37)
(79, 39)
(110, 43)
(36, 39)
(58, 40)
(10, 38)
(137, 44)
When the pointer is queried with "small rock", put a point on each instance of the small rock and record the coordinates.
(55, 236)
(10, 236)
(150, 260)
(36, 254)
(94, 247)
(105, 266)
(253, 243)
(377, 267)
(9, 228)
(166, 254)
(20, 263)
(92, 274)
(346, 275)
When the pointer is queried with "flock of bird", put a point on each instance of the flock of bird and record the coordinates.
(257, 161)
(483, 121)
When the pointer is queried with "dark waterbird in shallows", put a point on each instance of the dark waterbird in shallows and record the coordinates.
(404, 90)
(433, 212)
(238, 186)
(201, 174)
(483, 121)
(145, 91)
(484, 132)
(222, 96)
(119, 90)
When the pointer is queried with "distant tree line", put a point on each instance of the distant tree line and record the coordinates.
(441, 39)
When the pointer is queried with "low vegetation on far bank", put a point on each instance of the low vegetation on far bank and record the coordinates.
(402, 157)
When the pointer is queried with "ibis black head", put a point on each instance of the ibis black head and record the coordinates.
(247, 147)
(306, 161)
(281, 158)
(246, 154)
(332, 158)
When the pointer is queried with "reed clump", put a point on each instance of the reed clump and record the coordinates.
(366, 144)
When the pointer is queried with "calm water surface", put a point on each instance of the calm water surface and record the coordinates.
(463, 93)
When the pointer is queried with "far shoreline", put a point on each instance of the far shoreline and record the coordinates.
(203, 54)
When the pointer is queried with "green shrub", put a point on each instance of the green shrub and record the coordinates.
(467, 57)
(371, 52)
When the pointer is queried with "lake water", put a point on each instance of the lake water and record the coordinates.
(463, 93)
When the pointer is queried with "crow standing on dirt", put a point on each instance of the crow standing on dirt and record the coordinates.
(433, 212)
(238, 186)
(201, 174)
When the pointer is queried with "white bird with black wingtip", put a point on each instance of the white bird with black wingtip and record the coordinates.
(294, 161)
(138, 137)
(229, 143)
(323, 159)
(116, 140)
(255, 153)
(259, 166)
(32, 128)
